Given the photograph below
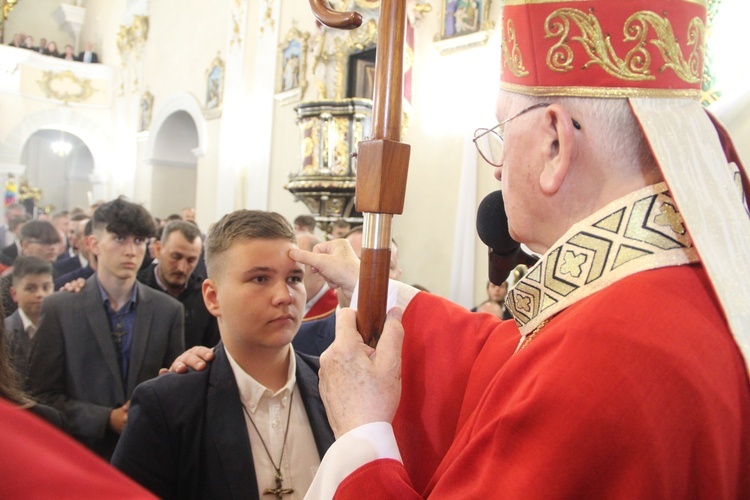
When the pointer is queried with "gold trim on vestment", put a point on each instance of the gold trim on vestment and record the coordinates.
(511, 3)
(608, 92)
(639, 232)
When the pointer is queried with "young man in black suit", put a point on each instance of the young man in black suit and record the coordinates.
(252, 423)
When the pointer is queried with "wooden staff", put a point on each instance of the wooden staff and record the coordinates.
(383, 161)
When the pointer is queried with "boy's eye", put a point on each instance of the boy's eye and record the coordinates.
(259, 279)
(139, 241)
(295, 279)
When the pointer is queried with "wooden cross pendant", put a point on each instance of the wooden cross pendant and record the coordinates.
(278, 491)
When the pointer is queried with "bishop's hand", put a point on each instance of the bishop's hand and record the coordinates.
(359, 384)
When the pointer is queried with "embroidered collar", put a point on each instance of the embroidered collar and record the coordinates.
(639, 232)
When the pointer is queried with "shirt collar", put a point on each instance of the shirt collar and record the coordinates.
(25, 321)
(105, 298)
(252, 391)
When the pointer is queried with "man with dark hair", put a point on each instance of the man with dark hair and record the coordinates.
(178, 253)
(83, 246)
(94, 347)
(304, 224)
(75, 238)
(252, 424)
(38, 238)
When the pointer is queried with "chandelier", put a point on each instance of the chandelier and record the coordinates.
(62, 148)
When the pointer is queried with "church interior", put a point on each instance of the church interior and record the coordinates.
(254, 104)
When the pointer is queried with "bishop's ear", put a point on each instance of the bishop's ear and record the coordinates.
(560, 139)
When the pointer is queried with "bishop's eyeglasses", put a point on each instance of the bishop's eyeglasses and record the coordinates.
(489, 141)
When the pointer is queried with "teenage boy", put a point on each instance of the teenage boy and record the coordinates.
(252, 423)
(92, 348)
(32, 282)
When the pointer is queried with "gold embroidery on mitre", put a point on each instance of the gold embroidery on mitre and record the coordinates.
(639, 232)
(512, 57)
(636, 66)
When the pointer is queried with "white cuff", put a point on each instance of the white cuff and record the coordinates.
(351, 451)
(399, 295)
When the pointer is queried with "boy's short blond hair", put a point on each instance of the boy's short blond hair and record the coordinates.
(243, 225)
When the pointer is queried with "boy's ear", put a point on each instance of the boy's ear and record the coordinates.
(93, 243)
(210, 297)
(13, 294)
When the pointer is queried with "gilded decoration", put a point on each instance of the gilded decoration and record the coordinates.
(368, 4)
(637, 64)
(237, 17)
(512, 57)
(335, 51)
(8, 7)
(130, 42)
(65, 86)
(132, 37)
(326, 179)
(268, 22)
(641, 231)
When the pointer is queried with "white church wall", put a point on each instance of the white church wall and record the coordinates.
(35, 18)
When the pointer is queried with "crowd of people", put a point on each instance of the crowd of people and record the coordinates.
(50, 48)
(116, 294)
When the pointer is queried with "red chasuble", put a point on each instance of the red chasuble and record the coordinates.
(636, 391)
(324, 307)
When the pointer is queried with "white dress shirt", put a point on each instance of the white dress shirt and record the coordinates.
(269, 411)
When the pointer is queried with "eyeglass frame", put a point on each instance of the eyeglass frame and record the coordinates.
(501, 125)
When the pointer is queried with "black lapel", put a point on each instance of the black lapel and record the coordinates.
(226, 425)
(141, 332)
(307, 382)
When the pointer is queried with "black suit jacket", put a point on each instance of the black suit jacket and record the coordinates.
(81, 272)
(314, 337)
(9, 254)
(94, 57)
(186, 435)
(66, 265)
(201, 327)
(73, 363)
(18, 343)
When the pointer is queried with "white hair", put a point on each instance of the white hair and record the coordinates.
(609, 123)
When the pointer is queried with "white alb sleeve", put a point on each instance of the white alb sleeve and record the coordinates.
(351, 451)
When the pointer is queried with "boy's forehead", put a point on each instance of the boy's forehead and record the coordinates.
(264, 252)
(37, 278)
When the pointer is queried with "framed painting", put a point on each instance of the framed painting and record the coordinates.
(463, 23)
(361, 81)
(291, 80)
(215, 84)
(147, 109)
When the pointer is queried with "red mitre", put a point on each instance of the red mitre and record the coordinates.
(604, 48)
